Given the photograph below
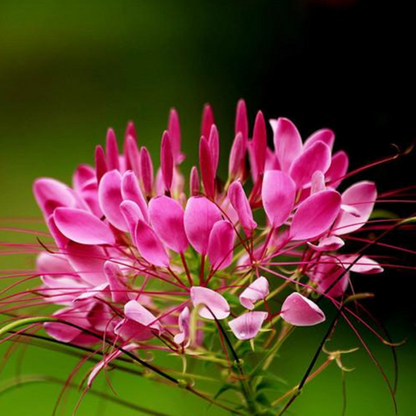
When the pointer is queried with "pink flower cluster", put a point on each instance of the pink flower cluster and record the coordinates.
(137, 259)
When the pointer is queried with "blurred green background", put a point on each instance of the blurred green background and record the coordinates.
(70, 69)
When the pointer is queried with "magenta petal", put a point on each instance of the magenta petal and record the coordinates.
(87, 261)
(214, 146)
(247, 326)
(200, 216)
(166, 160)
(300, 311)
(150, 246)
(287, 143)
(361, 197)
(60, 240)
(51, 194)
(237, 155)
(241, 205)
(109, 196)
(315, 215)
(114, 276)
(241, 120)
(82, 227)
(132, 155)
(317, 157)
(146, 170)
(184, 327)
(206, 167)
(259, 143)
(83, 175)
(138, 313)
(174, 129)
(338, 169)
(221, 244)
(100, 163)
(207, 120)
(256, 291)
(326, 136)
(212, 303)
(278, 194)
(194, 182)
(167, 218)
(130, 190)
(112, 151)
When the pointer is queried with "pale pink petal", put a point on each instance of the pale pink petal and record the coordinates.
(184, 327)
(61, 290)
(132, 214)
(213, 304)
(87, 261)
(326, 136)
(221, 244)
(114, 276)
(330, 243)
(364, 265)
(149, 245)
(167, 218)
(200, 216)
(82, 227)
(54, 264)
(339, 167)
(318, 182)
(317, 157)
(51, 194)
(362, 197)
(287, 143)
(241, 205)
(258, 290)
(247, 326)
(109, 196)
(300, 311)
(315, 215)
(278, 194)
(136, 312)
(130, 190)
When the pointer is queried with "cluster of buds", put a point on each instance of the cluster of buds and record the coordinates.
(144, 264)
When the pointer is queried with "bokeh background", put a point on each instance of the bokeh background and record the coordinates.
(70, 69)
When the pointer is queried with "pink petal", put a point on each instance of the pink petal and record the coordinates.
(338, 169)
(167, 218)
(194, 182)
(87, 261)
(213, 303)
(132, 155)
(109, 196)
(361, 197)
(259, 143)
(60, 240)
(138, 313)
(114, 276)
(112, 151)
(241, 120)
(317, 157)
(315, 215)
(221, 244)
(330, 243)
(150, 246)
(256, 291)
(287, 143)
(237, 155)
(300, 311)
(100, 163)
(184, 327)
(83, 175)
(132, 214)
(146, 171)
(247, 326)
(51, 194)
(207, 120)
(130, 190)
(365, 265)
(326, 136)
(200, 216)
(206, 167)
(166, 160)
(174, 129)
(214, 146)
(278, 194)
(241, 205)
(82, 227)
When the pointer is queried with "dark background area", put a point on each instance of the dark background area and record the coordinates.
(70, 69)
